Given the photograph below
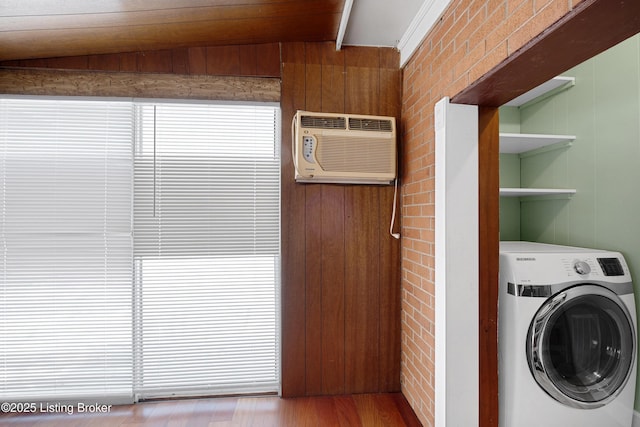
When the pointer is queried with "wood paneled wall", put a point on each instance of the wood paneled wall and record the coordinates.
(340, 267)
(261, 60)
(341, 278)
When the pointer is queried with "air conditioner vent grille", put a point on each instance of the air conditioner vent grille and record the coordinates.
(355, 155)
(370, 124)
(318, 122)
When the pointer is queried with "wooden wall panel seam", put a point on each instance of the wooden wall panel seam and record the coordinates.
(293, 257)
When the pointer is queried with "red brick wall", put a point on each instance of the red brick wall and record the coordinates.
(471, 38)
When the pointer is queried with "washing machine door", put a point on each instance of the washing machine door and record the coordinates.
(580, 346)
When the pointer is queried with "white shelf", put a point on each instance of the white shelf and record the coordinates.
(543, 89)
(518, 143)
(523, 192)
(514, 143)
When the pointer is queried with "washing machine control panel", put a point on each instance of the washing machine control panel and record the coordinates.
(607, 267)
(581, 267)
(540, 264)
(611, 266)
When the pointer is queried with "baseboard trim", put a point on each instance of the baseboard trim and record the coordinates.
(636, 419)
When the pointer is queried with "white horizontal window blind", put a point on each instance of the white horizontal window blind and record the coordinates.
(139, 249)
(65, 250)
(206, 248)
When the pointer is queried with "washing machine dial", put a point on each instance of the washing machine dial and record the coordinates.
(581, 267)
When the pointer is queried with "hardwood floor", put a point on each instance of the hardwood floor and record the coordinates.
(361, 410)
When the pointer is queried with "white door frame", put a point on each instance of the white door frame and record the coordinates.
(456, 265)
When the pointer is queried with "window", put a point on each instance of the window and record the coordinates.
(65, 249)
(206, 246)
(173, 206)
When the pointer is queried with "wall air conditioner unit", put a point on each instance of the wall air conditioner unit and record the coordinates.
(344, 148)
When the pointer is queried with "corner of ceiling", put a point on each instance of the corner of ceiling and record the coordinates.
(425, 19)
(344, 20)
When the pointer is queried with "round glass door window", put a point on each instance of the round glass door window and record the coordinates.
(580, 346)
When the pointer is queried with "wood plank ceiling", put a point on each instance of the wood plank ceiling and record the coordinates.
(45, 28)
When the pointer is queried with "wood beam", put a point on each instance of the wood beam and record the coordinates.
(17, 81)
(592, 27)
(489, 234)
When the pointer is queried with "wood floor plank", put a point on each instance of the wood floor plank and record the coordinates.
(361, 410)
(324, 410)
(347, 412)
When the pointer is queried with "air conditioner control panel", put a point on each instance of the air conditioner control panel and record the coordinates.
(308, 145)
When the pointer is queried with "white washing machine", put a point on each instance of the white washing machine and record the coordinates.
(567, 337)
